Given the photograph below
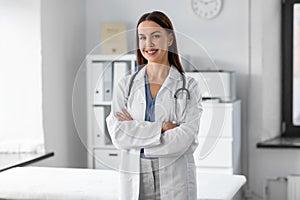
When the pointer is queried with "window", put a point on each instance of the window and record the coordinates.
(291, 68)
(21, 127)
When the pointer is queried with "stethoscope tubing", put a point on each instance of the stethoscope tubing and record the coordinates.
(183, 88)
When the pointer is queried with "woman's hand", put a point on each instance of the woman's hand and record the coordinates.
(124, 115)
(167, 126)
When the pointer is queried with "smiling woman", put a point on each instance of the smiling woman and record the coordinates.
(21, 127)
(156, 146)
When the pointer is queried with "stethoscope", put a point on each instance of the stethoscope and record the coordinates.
(183, 89)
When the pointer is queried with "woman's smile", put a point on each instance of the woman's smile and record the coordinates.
(151, 52)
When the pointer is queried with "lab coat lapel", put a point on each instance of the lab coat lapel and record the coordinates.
(171, 82)
(138, 91)
(165, 97)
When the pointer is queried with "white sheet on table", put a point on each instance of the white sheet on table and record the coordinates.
(58, 183)
(218, 186)
(88, 184)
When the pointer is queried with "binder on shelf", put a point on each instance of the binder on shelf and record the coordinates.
(120, 69)
(96, 83)
(107, 81)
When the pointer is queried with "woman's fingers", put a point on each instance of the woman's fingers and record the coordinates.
(127, 114)
(167, 126)
(120, 116)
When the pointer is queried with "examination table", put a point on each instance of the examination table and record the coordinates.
(88, 184)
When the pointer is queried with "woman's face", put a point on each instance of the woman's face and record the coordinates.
(154, 42)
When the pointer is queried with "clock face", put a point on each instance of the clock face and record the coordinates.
(207, 8)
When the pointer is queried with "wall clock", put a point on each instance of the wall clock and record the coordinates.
(207, 9)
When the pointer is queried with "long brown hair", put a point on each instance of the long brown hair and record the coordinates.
(164, 21)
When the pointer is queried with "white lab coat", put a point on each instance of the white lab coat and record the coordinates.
(174, 148)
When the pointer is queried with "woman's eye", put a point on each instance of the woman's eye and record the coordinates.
(156, 36)
(142, 38)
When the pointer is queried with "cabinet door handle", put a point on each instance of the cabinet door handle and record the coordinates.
(113, 154)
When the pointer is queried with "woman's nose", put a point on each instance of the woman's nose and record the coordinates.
(149, 42)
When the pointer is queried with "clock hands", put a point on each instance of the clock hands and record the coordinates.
(207, 8)
(207, 2)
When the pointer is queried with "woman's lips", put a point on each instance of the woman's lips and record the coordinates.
(151, 52)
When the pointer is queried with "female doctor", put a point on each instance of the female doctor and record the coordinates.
(155, 118)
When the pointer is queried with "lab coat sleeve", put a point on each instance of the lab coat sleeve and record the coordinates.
(133, 133)
(176, 141)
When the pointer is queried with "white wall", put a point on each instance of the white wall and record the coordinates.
(63, 50)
